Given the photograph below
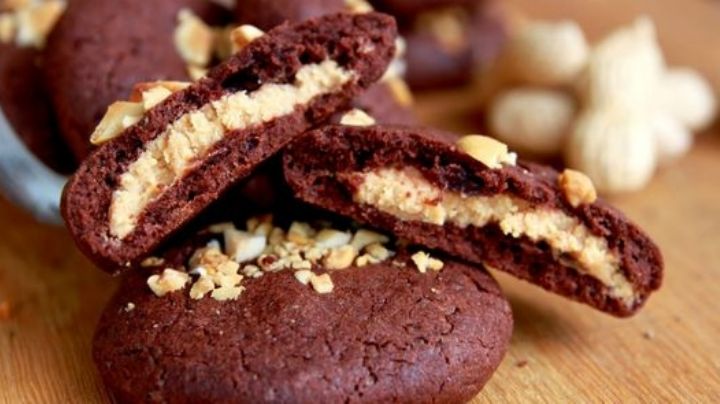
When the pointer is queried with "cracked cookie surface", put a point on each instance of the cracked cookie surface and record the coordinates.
(386, 333)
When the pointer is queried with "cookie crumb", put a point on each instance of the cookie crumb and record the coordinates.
(129, 307)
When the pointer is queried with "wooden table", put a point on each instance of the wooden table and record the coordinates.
(560, 351)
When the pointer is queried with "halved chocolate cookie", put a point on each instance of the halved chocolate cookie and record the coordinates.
(138, 188)
(378, 331)
(525, 219)
(389, 101)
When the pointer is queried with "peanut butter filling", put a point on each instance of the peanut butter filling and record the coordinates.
(172, 154)
(406, 194)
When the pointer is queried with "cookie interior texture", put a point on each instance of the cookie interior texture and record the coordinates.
(138, 188)
(515, 218)
(385, 334)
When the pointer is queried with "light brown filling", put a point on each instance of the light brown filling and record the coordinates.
(406, 194)
(169, 156)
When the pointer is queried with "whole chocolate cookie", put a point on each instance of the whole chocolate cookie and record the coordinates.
(25, 103)
(181, 154)
(384, 334)
(100, 49)
(474, 202)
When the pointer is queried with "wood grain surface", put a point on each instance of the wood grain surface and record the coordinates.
(51, 296)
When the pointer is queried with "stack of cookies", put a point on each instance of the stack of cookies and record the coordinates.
(284, 229)
(364, 279)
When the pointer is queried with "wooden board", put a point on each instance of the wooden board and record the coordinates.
(560, 351)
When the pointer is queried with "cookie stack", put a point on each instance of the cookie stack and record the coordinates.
(366, 280)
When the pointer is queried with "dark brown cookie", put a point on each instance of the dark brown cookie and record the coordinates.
(445, 46)
(384, 334)
(25, 103)
(100, 49)
(380, 100)
(516, 218)
(137, 189)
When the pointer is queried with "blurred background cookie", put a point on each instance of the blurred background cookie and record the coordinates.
(24, 100)
(447, 40)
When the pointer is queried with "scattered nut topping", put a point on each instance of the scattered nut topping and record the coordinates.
(578, 187)
(304, 276)
(122, 114)
(423, 261)
(152, 93)
(364, 238)
(340, 258)
(242, 246)
(300, 233)
(322, 283)
(400, 91)
(201, 287)
(358, 6)
(215, 269)
(487, 150)
(193, 39)
(130, 307)
(357, 117)
(378, 252)
(226, 292)
(169, 281)
(119, 116)
(152, 262)
(34, 21)
(242, 36)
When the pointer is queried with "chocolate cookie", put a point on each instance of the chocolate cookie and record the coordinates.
(445, 46)
(384, 100)
(525, 219)
(140, 187)
(100, 49)
(25, 103)
(386, 333)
